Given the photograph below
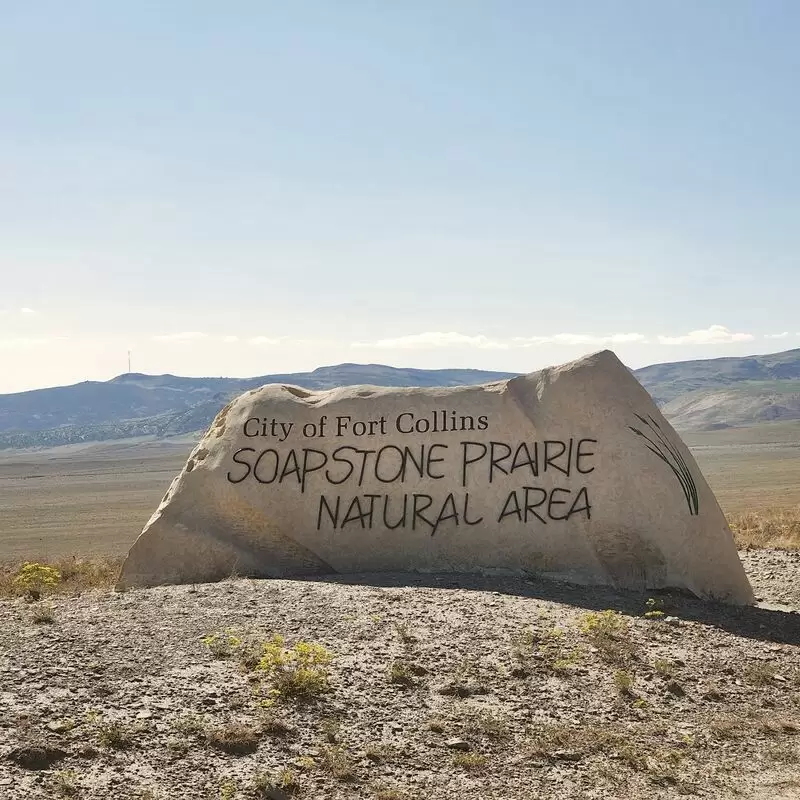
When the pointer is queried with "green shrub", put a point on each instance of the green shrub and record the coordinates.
(34, 579)
(623, 681)
(299, 671)
(222, 645)
(609, 632)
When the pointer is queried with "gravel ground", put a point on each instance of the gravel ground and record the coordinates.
(439, 687)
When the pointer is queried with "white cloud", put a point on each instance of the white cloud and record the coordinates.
(776, 335)
(26, 310)
(183, 336)
(264, 340)
(435, 339)
(230, 339)
(715, 334)
(581, 338)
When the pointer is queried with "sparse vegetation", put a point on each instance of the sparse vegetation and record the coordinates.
(149, 794)
(43, 615)
(285, 780)
(273, 725)
(632, 756)
(378, 752)
(470, 761)
(400, 673)
(391, 794)
(783, 753)
(727, 727)
(655, 608)
(330, 728)
(606, 624)
(236, 738)
(547, 739)
(298, 672)
(306, 762)
(776, 726)
(33, 579)
(65, 783)
(778, 528)
(404, 633)
(680, 715)
(249, 650)
(664, 668)
(623, 680)
(531, 649)
(190, 725)
(222, 645)
(486, 723)
(609, 632)
(336, 760)
(760, 673)
(228, 789)
(75, 575)
(523, 650)
(115, 735)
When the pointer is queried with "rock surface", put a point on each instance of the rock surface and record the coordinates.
(570, 473)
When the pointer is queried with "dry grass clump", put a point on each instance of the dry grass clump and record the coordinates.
(547, 739)
(775, 528)
(401, 673)
(43, 615)
(760, 673)
(470, 761)
(75, 575)
(337, 761)
(115, 735)
(609, 632)
(236, 738)
(485, 722)
(391, 794)
(65, 783)
(284, 782)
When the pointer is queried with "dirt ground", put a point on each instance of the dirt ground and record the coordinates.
(438, 687)
(82, 500)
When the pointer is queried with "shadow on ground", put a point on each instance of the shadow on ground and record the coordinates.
(753, 622)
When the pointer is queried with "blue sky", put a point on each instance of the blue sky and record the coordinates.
(251, 187)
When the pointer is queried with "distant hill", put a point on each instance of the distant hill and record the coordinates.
(166, 405)
(726, 392)
(694, 395)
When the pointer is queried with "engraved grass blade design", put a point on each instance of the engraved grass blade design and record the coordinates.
(660, 446)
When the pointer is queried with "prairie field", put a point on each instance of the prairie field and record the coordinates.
(95, 499)
(90, 500)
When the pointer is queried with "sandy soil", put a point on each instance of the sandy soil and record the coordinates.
(439, 687)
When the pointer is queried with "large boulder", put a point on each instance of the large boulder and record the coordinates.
(570, 472)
